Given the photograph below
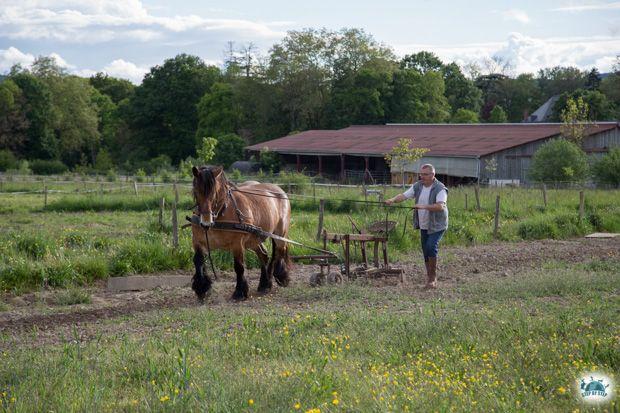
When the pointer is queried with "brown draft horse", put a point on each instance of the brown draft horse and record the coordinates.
(218, 200)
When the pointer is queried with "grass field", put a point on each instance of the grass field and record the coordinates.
(80, 237)
(514, 344)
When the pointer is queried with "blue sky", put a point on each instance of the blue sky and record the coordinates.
(125, 38)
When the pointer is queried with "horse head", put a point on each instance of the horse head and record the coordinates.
(209, 192)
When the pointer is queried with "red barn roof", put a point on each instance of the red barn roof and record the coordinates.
(469, 140)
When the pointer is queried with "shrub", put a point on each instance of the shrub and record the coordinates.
(140, 175)
(111, 175)
(300, 181)
(607, 169)
(7, 160)
(47, 167)
(559, 161)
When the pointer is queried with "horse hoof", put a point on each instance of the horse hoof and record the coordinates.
(263, 290)
(239, 296)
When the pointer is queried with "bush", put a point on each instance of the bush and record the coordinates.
(300, 181)
(7, 160)
(607, 169)
(559, 161)
(140, 175)
(47, 167)
(111, 175)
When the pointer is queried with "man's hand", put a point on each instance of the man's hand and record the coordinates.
(389, 202)
(420, 206)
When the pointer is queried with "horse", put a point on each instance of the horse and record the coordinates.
(265, 206)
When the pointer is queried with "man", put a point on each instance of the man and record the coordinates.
(430, 216)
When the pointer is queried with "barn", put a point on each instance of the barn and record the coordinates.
(461, 153)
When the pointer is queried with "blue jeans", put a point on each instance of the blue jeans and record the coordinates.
(430, 243)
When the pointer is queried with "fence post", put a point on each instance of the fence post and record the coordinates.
(465, 201)
(45, 195)
(135, 188)
(544, 191)
(162, 204)
(314, 191)
(321, 210)
(477, 192)
(175, 228)
(496, 217)
(176, 193)
(581, 205)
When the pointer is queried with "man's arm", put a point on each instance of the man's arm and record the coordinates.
(395, 200)
(436, 207)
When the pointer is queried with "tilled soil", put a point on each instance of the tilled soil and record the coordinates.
(39, 312)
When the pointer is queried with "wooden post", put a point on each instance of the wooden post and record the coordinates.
(581, 205)
(314, 190)
(496, 228)
(45, 196)
(544, 192)
(321, 210)
(289, 187)
(101, 189)
(477, 191)
(465, 202)
(347, 259)
(175, 227)
(176, 193)
(135, 188)
(162, 204)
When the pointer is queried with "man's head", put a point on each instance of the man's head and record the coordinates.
(427, 174)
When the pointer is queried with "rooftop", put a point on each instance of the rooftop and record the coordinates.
(470, 140)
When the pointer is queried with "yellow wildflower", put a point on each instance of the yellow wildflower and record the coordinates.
(251, 402)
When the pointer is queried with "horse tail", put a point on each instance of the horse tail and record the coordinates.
(282, 263)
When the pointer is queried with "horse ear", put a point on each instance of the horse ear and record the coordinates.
(217, 171)
(195, 171)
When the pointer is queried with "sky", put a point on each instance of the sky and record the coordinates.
(125, 38)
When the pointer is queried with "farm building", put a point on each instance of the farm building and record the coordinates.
(461, 153)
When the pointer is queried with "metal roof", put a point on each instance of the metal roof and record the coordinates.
(470, 140)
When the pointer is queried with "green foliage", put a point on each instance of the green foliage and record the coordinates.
(140, 175)
(300, 182)
(607, 169)
(229, 149)
(7, 160)
(465, 116)
(72, 296)
(559, 161)
(418, 98)
(116, 89)
(584, 105)
(47, 167)
(269, 160)
(205, 150)
(498, 115)
(218, 113)
(163, 112)
(558, 226)
(103, 162)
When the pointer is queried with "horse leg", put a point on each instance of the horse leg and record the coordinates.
(281, 263)
(265, 283)
(241, 290)
(201, 283)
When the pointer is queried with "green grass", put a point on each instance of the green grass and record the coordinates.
(81, 237)
(508, 345)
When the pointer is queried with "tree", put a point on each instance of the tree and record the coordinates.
(206, 149)
(422, 62)
(575, 119)
(465, 116)
(607, 169)
(519, 97)
(403, 153)
(218, 112)
(598, 107)
(116, 89)
(460, 91)
(557, 80)
(498, 115)
(13, 121)
(269, 160)
(593, 79)
(40, 142)
(492, 93)
(229, 149)
(559, 161)
(163, 112)
(610, 87)
(418, 98)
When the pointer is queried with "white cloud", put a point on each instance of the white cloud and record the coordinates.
(97, 21)
(13, 56)
(575, 8)
(529, 54)
(126, 70)
(517, 15)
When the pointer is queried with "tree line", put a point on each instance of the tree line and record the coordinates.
(311, 79)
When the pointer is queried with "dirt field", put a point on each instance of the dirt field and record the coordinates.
(37, 319)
